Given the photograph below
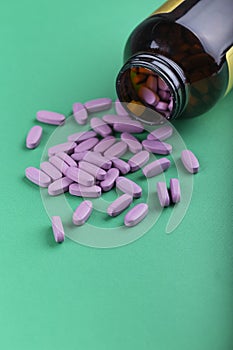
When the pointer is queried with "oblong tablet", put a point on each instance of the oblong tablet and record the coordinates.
(81, 136)
(119, 205)
(116, 150)
(59, 164)
(104, 144)
(163, 194)
(128, 186)
(82, 213)
(134, 145)
(97, 159)
(51, 170)
(86, 145)
(121, 165)
(138, 160)
(100, 104)
(34, 137)
(175, 190)
(162, 133)
(80, 113)
(59, 186)
(67, 147)
(49, 117)
(157, 167)
(136, 214)
(37, 176)
(83, 191)
(92, 169)
(80, 176)
(99, 126)
(120, 109)
(78, 156)
(131, 126)
(157, 147)
(114, 118)
(64, 156)
(110, 178)
(190, 161)
(58, 230)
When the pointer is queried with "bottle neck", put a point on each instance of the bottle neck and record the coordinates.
(154, 83)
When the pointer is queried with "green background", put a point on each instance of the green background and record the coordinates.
(163, 292)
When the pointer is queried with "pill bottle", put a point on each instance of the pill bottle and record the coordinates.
(179, 61)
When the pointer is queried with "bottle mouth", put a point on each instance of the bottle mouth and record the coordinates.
(152, 88)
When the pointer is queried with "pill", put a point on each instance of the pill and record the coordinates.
(37, 176)
(97, 159)
(114, 118)
(58, 230)
(120, 108)
(147, 95)
(51, 170)
(136, 214)
(164, 95)
(131, 126)
(82, 213)
(133, 144)
(50, 117)
(80, 113)
(66, 158)
(83, 191)
(119, 205)
(86, 145)
(92, 169)
(100, 104)
(99, 126)
(79, 155)
(138, 160)
(162, 85)
(161, 133)
(156, 167)
(121, 165)
(116, 150)
(34, 137)
(152, 83)
(128, 186)
(67, 147)
(157, 147)
(59, 164)
(175, 190)
(104, 144)
(82, 136)
(59, 186)
(80, 176)
(163, 195)
(110, 178)
(161, 106)
(190, 161)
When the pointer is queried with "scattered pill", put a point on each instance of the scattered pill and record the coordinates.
(99, 126)
(128, 186)
(82, 136)
(80, 176)
(50, 117)
(157, 147)
(104, 144)
(134, 145)
(161, 133)
(82, 213)
(83, 191)
(136, 214)
(119, 205)
(86, 145)
(116, 150)
(163, 195)
(34, 137)
(59, 186)
(59, 164)
(80, 113)
(175, 190)
(78, 156)
(108, 183)
(67, 147)
(97, 159)
(58, 230)
(66, 158)
(120, 109)
(51, 171)
(156, 167)
(37, 176)
(190, 161)
(98, 105)
(132, 126)
(92, 169)
(114, 118)
(138, 160)
(121, 165)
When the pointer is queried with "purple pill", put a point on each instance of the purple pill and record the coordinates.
(80, 113)
(134, 145)
(116, 150)
(148, 95)
(82, 213)
(161, 106)
(121, 165)
(97, 159)
(157, 147)
(67, 147)
(78, 156)
(119, 205)
(136, 214)
(162, 85)
(50, 117)
(100, 104)
(175, 190)
(80, 176)
(114, 118)
(34, 137)
(92, 169)
(99, 126)
(190, 161)
(164, 95)
(104, 144)
(83, 191)
(59, 186)
(138, 160)
(108, 183)
(160, 134)
(163, 195)
(59, 164)
(86, 145)
(120, 109)
(131, 126)
(81, 136)
(66, 158)
(58, 230)
(157, 167)
(51, 171)
(128, 186)
(37, 176)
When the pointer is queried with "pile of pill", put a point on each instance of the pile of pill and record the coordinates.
(89, 162)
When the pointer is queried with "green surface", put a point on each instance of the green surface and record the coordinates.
(165, 292)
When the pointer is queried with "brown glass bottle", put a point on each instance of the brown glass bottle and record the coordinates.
(189, 45)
